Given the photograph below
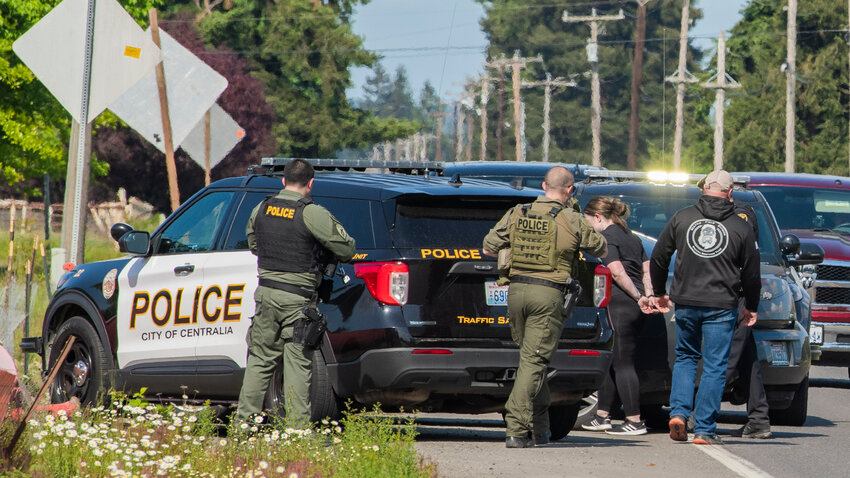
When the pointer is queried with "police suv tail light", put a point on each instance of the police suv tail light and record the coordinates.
(602, 280)
(388, 282)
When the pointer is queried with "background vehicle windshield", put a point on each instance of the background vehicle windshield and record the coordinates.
(650, 213)
(427, 221)
(809, 208)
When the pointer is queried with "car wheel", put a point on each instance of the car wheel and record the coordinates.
(324, 402)
(562, 418)
(587, 410)
(795, 415)
(85, 371)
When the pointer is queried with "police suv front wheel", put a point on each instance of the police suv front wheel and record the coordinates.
(84, 372)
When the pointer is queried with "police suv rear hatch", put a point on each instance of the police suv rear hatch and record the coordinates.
(453, 292)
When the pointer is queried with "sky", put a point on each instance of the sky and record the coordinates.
(441, 40)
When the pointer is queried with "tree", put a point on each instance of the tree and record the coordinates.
(301, 50)
(377, 89)
(536, 28)
(755, 118)
(34, 127)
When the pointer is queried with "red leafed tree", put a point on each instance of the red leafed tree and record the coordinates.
(139, 167)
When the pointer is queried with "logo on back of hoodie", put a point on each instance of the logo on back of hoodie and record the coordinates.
(707, 238)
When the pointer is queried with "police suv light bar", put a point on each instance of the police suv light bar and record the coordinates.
(321, 164)
(659, 177)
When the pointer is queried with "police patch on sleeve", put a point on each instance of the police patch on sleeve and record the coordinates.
(341, 231)
(707, 238)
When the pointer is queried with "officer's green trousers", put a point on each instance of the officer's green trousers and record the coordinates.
(536, 325)
(268, 339)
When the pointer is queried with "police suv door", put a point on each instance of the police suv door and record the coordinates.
(232, 272)
(164, 301)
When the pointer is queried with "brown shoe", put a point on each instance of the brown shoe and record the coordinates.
(678, 429)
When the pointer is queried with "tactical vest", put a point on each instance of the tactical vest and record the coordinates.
(534, 239)
(284, 243)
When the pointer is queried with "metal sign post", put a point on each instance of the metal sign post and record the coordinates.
(76, 248)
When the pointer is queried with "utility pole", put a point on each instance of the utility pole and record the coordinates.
(680, 78)
(547, 85)
(458, 118)
(722, 82)
(500, 65)
(637, 73)
(517, 63)
(485, 95)
(440, 114)
(593, 59)
(791, 87)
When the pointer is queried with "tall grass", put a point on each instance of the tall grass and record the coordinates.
(141, 439)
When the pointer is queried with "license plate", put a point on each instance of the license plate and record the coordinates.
(816, 334)
(496, 294)
(779, 352)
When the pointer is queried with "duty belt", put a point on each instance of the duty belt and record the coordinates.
(273, 284)
(536, 281)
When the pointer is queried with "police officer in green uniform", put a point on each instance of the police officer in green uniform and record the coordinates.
(544, 238)
(289, 235)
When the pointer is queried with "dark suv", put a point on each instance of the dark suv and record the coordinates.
(784, 313)
(816, 208)
(416, 319)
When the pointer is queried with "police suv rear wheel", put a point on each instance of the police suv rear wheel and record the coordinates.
(84, 372)
(324, 402)
(562, 418)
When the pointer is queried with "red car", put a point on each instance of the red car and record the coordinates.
(816, 208)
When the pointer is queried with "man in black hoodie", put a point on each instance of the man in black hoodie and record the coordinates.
(717, 254)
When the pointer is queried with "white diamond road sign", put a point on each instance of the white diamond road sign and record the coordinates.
(224, 134)
(192, 87)
(54, 49)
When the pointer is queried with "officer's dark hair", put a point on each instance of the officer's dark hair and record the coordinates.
(297, 172)
(559, 178)
(609, 208)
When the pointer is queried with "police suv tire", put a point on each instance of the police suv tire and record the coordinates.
(795, 415)
(562, 418)
(323, 400)
(85, 371)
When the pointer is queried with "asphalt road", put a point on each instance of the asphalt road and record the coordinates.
(474, 445)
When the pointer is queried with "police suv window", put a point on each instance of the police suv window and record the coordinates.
(237, 240)
(355, 215)
(195, 229)
(428, 221)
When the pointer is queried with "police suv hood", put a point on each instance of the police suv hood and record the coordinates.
(715, 208)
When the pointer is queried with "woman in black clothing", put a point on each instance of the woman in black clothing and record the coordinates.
(629, 267)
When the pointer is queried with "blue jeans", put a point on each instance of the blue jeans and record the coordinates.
(701, 333)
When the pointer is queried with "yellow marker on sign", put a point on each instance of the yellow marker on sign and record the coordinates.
(132, 52)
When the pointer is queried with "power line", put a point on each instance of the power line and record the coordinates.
(471, 48)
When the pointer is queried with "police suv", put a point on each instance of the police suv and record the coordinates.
(417, 319)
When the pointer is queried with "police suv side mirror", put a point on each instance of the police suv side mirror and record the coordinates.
(809, 253)
(119, 229)
(789, 244)
(136, 243)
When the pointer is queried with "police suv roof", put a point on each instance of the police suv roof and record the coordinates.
(512, 168)
(379, 186)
